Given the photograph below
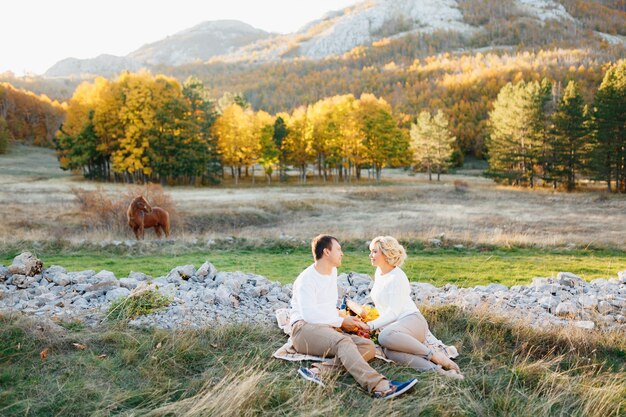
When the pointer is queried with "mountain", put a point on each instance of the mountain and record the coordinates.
(196, 44)
(340, 31)
(439, 25)
(371, 21)
(105, 65)
(199, 43)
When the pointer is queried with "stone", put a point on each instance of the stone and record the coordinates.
(24, 281)
(599, 282)
(81, 277)
(61, 279)
(116, 293)
(585, 324)
(423, 288)
(81, 303)
(222, 295)
(181, 272)
(104, 281)
(234, 283)
(570, 280)
(26, 264)
(129, 283)
(604, 307)
(4, 273)
(190, 296)
(588, 302)
(470, 300)
(549, 303)
(139, 276)
(104, 276)
(167, 290)
(566, 309)
(161, 281)
(617, 302)
(207, 271)
(496, 287)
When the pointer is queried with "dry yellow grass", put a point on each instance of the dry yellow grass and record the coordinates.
(44, 207)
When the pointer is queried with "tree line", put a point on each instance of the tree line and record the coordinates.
(541, 132)
(25, 116)
(141, 128)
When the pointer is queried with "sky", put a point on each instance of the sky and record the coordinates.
(35, 34)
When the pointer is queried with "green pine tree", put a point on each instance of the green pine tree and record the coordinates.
(570, 137)
(608, 162)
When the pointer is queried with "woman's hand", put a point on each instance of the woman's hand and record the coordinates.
(354, 324)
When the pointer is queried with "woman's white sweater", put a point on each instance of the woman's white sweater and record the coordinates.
(391, 294)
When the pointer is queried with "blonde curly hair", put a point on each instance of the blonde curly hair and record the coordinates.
(391, 249)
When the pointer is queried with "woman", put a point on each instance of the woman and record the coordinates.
(404, 329)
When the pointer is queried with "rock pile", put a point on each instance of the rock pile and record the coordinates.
(204, 296)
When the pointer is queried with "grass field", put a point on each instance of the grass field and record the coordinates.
(508, 235)
(465, 267)
(42, 206)
(228, 371)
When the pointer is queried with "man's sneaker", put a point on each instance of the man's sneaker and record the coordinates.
(309, 375)
(396, 388)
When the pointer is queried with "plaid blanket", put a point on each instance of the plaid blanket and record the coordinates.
(288, 352)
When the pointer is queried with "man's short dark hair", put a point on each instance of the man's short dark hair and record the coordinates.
(320, 243)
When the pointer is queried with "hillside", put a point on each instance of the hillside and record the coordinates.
(369, 34)
(475, 23)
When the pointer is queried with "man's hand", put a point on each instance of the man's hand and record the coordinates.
(354, 324)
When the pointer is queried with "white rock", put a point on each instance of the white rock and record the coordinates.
(117, 293)
(604, 307)
(104, 276)
(181, 272)
(61, 279)
(26, 264)
(585, 324)
(139, 276)
(207, 271)
(566, 309)
(570, 280)
(222, 295)
(129, 283)
(588, 301)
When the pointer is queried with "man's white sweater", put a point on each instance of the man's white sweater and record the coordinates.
(315, 298)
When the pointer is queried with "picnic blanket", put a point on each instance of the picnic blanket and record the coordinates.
(288, 352)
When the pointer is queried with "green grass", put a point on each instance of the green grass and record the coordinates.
(224, 371)
(467, 267)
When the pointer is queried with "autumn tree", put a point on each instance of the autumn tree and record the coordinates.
(297, 143)
(431, 143)
(5, 135)
(270, 154)
(237, 140)
(139, 128)
(384, 143)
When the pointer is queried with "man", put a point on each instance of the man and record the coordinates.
(318, 329)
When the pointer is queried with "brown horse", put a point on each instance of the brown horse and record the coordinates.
(141, 216)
